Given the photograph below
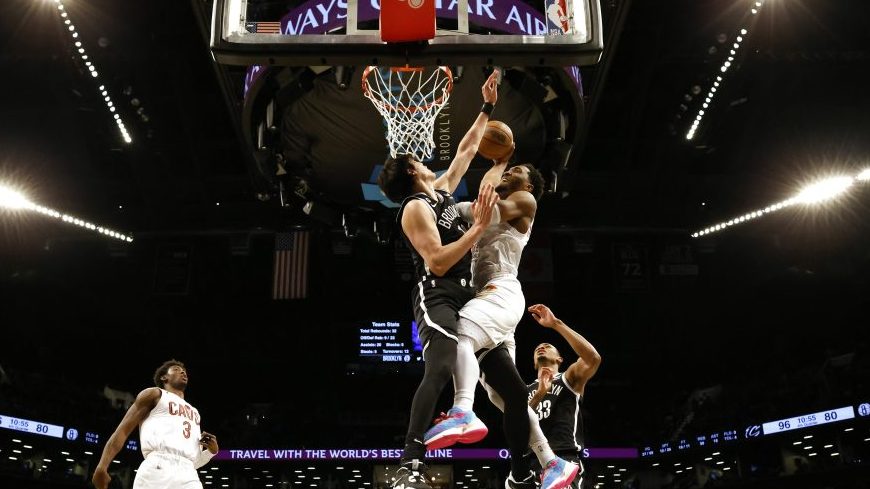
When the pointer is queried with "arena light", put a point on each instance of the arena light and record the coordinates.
(93, 70)
(815, 193)
(13, 200)
(690, 134)
(827, 189)
(10, 199)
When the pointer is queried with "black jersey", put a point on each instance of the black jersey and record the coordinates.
(559, 415)
(450, 226)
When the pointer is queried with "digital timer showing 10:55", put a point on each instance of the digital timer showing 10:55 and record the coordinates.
(807, 420)
(28, 426)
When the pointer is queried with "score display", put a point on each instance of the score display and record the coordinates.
(28, 426)
(390, 341)
(807, 420)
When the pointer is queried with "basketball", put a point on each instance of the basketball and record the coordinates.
(497, 142)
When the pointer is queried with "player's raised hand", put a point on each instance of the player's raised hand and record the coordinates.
(506, 159)
(545, 378)
(490, 88)
(482, 207)
(543, 315)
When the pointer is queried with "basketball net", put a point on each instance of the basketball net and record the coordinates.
(409, 99)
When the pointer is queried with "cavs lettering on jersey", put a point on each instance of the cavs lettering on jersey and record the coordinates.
(172, 427)
(450, 228)
(559, 415)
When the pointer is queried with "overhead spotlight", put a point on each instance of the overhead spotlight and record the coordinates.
(744, 31)
(864, 175)
(10, 199)
(825, 190)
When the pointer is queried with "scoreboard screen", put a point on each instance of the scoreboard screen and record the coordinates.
(390, 341)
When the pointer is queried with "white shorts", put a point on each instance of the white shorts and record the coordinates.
(491, 317)
(166, 471)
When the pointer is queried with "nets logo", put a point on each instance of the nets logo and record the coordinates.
(753, 431)
(72, 434)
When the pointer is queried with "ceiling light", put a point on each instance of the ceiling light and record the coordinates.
(824, 190)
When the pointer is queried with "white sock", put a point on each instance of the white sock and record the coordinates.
(537, 441)
(465, 375)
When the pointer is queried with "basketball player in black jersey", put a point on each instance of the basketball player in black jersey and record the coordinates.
(439, 241)
(558, 396)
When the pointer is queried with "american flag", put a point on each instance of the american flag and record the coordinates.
(263, 27)
(290, 280)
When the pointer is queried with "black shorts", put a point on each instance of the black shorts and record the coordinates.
(437, 302)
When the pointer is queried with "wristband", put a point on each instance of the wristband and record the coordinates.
(487, 108)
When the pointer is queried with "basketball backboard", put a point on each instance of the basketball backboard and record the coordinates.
(347, 32)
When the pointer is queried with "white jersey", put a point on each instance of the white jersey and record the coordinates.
(499, 304)
(497, 254)
(172, 427)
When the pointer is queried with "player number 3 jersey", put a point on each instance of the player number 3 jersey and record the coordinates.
(172, 427)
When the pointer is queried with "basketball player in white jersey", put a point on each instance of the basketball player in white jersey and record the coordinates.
(169, 432)
(558, 396)
(489, 320)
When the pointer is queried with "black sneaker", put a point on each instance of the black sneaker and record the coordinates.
(411, 475)
(529, 482)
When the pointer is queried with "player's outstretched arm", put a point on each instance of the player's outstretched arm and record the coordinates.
(145, 402)
(468, 146)
(420, 229)
(493, 175)
(588, 361)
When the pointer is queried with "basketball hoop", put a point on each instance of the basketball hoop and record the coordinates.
(409, 99)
